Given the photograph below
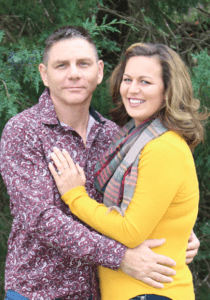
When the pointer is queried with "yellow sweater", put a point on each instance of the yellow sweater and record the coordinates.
(164, 205)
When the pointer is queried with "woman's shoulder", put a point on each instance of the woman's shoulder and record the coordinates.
(169, 144)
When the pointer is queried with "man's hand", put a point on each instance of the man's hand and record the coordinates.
(145, 265)
(192, 248)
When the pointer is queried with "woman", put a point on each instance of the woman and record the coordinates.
(148, 175)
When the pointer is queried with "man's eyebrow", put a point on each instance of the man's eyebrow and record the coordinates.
(67, 61)
(60, 62)
(85, 58)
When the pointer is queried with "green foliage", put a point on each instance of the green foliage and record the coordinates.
(98, 33)
(18, 68)
(5, 226)
(201, 266)
(172, 7)
(76, 11)
(201, 85)
(26, 25)
(201, 78)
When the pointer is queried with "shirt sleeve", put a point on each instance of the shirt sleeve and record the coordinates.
(32, 202)
(161, 172)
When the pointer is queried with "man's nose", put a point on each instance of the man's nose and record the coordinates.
(73, 72)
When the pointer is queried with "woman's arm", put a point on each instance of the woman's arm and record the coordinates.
(161, 172)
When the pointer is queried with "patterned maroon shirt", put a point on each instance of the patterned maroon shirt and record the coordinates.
(51, 253)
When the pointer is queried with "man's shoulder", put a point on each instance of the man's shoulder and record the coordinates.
(108, 124)
(29, 118)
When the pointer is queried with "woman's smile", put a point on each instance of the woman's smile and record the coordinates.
(135, 102)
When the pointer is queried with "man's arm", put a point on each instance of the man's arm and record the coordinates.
(32, 195)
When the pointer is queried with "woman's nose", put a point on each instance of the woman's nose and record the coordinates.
(134, 88)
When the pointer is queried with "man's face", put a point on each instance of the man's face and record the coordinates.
(72, 72)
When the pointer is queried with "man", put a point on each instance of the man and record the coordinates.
(51, 254)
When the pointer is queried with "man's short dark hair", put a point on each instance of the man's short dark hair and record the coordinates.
(64, 33)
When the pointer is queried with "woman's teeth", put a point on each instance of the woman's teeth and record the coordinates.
(136, 101)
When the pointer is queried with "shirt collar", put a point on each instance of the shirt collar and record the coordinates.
(98, 117)
(47, 111)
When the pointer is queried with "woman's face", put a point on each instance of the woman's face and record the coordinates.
(142, 87)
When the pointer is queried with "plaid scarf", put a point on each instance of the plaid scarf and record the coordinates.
(117, 170)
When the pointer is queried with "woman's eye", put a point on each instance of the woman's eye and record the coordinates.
(145, 82)
(126, 79)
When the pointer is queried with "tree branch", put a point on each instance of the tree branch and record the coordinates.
(203, 11)
(181, 30)
(8, 34)
(6, 88)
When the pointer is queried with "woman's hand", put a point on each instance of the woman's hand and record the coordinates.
(69, 175)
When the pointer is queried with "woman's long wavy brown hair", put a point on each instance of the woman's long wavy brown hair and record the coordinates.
(181, 111)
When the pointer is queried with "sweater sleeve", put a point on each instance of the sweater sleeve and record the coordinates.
(161, 172)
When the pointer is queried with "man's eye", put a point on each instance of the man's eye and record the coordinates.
(61, 66)
(84, 64)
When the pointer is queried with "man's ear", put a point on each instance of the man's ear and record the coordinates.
(100, 71)
(43, 73)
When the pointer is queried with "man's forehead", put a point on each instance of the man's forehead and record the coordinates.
(76, 48)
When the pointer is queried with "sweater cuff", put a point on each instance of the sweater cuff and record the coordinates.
(72, 194)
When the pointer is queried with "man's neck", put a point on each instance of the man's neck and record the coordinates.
(76, 117)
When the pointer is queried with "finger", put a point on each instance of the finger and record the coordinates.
(190, 246)
(188, 260)
(165, 260)
(69, 161)
(60, 157)
(160, 278)
(57, 162)
(163, 270)
(194, 243)
(81, 172)
(191, 237)
(161, 259)
(152, 282)
(154, 243)
(193, 246)
(191, 254)
(53, 172)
